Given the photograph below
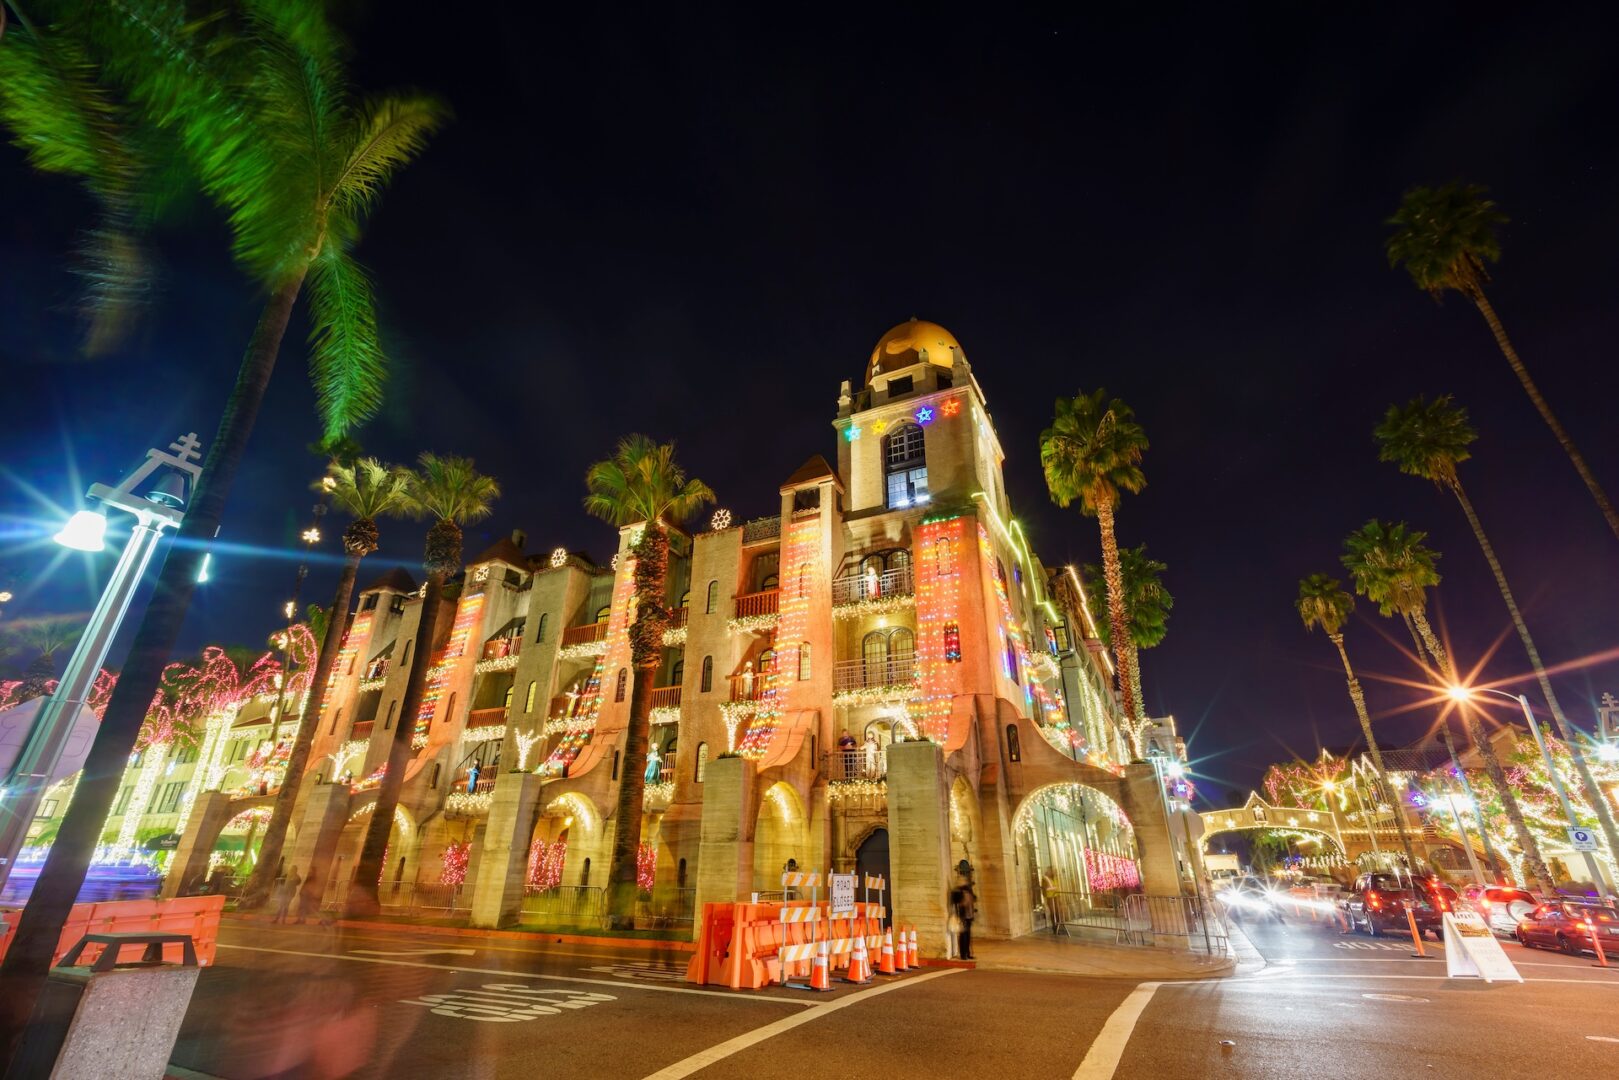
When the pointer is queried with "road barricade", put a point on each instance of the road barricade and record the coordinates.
(750, 946)
(197, 917)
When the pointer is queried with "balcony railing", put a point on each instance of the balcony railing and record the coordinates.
(677, 618)
(871, 674)
(486, 717)
(765, 528)
(870, 585)
(584, 635)
(500, 647)
(758, 603)
(666, 697)
(749, 687)
(362, 730)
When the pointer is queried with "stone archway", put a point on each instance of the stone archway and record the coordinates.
(397, 869)
(780, 834)
(1078, 849)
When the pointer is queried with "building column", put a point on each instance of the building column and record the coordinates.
(210, 814)
(497, 891)
(326, 811)
(725, 840)
(919, 842)
(1144, 803)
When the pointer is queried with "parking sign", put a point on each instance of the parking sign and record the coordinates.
(1582, 840)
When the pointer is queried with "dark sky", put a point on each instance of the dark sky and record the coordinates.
(696, 226)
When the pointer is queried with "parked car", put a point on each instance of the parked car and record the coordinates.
(1377, 904)
(1568, 925)
(1501, 906)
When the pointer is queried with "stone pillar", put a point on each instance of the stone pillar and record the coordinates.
(1144, 803)
(326, 811)
(725, 842)
(919, 842)
(497, 892)
(190, 863)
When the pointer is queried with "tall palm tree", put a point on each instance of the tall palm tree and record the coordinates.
(46, 636)
(1092, 452)
(641, 484)
(367, 489)
(1429, 439)
(1323, 602)
(1147, 604)
(1445, 236)
(1393, 569)
(263, 122)
(453, 493)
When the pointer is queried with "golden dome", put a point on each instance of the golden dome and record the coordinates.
(907, 343)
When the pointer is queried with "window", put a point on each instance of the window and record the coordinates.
(404, 660)
(603, 612)
(803, 661)
(337, 714)
(615, 766)
(620, 683)
(669, 758)
(713, 596)
(533, 688)
(685, 598)
(506, 702)
(449, 711)
(767, 661)
(677, 674)
(900, 385)
(584, 875)
(952, 643)
(905, 462)
(874, 657)
(708, 674)
(47, 809)
(432, 780)
(680, 875)
(370, 601)
(901, 644)
(168, 800)
(123, 800)
(702, 762)
(1014, 749)
(389, 722)
(543, 625)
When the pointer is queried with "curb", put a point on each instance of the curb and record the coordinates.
(648, 944)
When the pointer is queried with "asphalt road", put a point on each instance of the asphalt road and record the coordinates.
(308, 1002)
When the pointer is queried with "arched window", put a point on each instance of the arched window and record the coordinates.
(805, 576)
(767, 661)
(336, 716)
(708, 675)
(677, 674)
(449, 711)
(685, 598)
(1014, 749)
(680, 875)
(905, 463)
(506, 702)
(803, 661)
(713, 600)
(542, 626)
(899, 559)
(584, 875)
(620, 683)
(388, 723)
(874, 658)
(404, 660)
(432, 780)
(528, 698)
(901, 644)
(702, 762)
(615, 766)
(604, 612)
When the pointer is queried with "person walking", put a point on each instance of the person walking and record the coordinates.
(286, 893)
(966, 909)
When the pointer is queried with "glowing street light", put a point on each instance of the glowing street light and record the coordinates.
(161, 506)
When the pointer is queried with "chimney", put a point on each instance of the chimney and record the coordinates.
(519, 537)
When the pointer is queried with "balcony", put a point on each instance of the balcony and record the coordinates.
(755, 611)
(666, 697)
(361, 731)
(677, 618)
(870, 589)
(496, 648)
(872, 682)
(761, 529)
(588, 634)
(749, 687)
(486, 717)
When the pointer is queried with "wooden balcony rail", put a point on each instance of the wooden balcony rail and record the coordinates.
(677, 618)
(758, 603)
(871, 585)
(584, 635)
(487, 717)
(869, 674)
(362, 730)
(502, 646)
(749, 687)
(665, 697)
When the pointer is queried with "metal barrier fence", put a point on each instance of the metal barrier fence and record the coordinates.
(1182, 922)
(1065, 912)
(412, 897)
(582, 904)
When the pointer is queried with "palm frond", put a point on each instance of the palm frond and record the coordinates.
(1323, 602)
(368, 488)
(386, 133)
(642, 481)
(1426, 438)
(346, 362)
(451, 489)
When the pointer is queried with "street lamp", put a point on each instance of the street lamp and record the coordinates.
(1464, 694)
(160, 507)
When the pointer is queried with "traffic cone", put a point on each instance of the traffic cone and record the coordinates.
(859, 962)
(820, 975)
(911, 948)
(901, 961)
(885, 959)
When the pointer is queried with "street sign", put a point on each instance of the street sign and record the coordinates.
(1472, 951)
(842, 893)
(1582, 839)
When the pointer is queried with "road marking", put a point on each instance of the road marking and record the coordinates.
(767, 999)
(505, 1003)
(1103, 1057)
(719, 1052)
(647, 970)
(1602, 1038)
(411, 952)
(1392, 997)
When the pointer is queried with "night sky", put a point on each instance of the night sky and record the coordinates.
(696, 227)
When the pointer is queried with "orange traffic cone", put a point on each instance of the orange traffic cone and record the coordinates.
(901, 960)
(911, 948)
(820, 974)
(859, 962)
(885, 959)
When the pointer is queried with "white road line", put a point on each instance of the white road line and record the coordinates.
(720, 1051)
(1103, 1057)
(622, 984)
(1316, 975)
(539, 948)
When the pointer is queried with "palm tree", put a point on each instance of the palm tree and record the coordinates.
(1393, 569)
(1092, 452)
(1147, 605)
(47, 636)
(262, 121)
(1445, 236)
(367, 489)
(451, 492)
(1323, 602)
(641, 484)
(1429, 439)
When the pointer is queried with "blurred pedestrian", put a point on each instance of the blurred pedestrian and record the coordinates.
(286, 893)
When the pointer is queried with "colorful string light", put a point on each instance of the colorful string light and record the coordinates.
(801, 583)
(467, 612)
(938, 625)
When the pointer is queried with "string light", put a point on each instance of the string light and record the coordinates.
(559, 557)
(457, 854)
(467, 612)
(720, 521)
(938, 586)
(852, 432)
(580, 722)
(800, 557)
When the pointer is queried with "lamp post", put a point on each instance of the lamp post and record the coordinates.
(1330, 787)
(162, 506)
(310, 536)
(1465, 694)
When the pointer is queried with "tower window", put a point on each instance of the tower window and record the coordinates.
(905, 464)
(713, 597)
(708, 675)
(618, 687)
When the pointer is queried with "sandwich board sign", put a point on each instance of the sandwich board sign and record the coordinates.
(1582, 839)
(1471, 950)
(842, 895)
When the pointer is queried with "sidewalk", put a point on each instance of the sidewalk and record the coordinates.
(637, 939)
(1074, 956)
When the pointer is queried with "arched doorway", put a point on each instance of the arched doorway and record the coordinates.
(778, 836)
(1078, 849)
(871, 857)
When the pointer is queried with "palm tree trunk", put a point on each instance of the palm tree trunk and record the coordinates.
(362, 891)
(1135, 678)
(275, 835)
(1492, 764)
(1358, 696)
(27, 961)
(623, 886)
(1545, 410)
(1117, 623)
(1592, 793)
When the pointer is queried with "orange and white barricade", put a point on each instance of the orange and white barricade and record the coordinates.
(885, 958)
(859, 961)
(910, 947)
